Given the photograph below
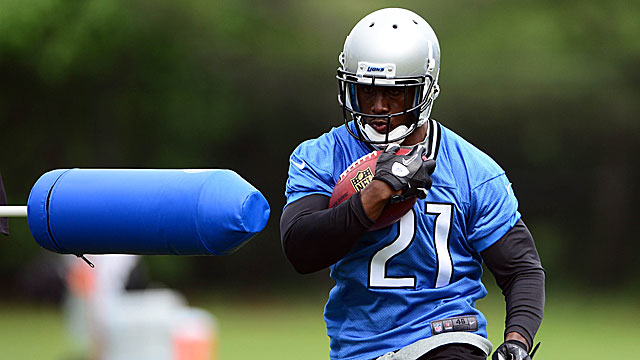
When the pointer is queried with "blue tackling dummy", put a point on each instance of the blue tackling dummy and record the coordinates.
(142, 211)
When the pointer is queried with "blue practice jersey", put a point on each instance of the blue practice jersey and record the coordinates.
(396, 283)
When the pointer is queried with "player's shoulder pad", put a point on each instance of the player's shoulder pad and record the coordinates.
(313, 166)
(478, 166)
(314, 155)
(331, 152)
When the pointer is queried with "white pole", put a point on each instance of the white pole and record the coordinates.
(13, 211)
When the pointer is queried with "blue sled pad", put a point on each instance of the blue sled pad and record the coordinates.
(143, 211)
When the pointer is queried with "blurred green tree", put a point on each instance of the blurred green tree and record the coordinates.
(549, 89)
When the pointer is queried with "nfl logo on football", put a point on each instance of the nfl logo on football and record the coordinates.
(362, 179)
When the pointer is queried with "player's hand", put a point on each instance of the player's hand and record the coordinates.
(511, 350)
(410, 173)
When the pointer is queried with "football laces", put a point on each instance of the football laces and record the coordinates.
(358, 162)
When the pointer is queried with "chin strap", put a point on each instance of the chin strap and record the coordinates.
(426, 112)
(373, 135)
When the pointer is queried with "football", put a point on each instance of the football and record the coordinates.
(356, 177)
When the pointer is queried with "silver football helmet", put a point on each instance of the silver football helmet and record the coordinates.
(389, 47)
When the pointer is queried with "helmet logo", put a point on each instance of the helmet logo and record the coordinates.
(376, 69)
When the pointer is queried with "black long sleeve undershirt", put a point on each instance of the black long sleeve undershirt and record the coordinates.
(514, 262)
(314, 237)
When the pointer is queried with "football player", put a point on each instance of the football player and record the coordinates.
(408, 291)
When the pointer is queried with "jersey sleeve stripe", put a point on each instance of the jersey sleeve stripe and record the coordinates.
(433, 139)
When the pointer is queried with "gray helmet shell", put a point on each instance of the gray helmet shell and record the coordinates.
(390, 47)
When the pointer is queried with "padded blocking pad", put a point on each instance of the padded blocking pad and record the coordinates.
(145, 211)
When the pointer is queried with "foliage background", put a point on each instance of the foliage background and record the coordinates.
(550, 89)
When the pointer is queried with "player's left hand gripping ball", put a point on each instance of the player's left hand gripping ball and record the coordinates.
(511, 350)
(410, 173)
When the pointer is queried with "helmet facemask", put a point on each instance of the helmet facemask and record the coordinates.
(418, 86)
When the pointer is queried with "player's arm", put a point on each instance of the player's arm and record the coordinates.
(516, 266)
(375, 197)
(315, 237)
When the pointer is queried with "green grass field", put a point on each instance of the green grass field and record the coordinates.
(600, 327)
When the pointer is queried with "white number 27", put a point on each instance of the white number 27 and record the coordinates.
(406, 233)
